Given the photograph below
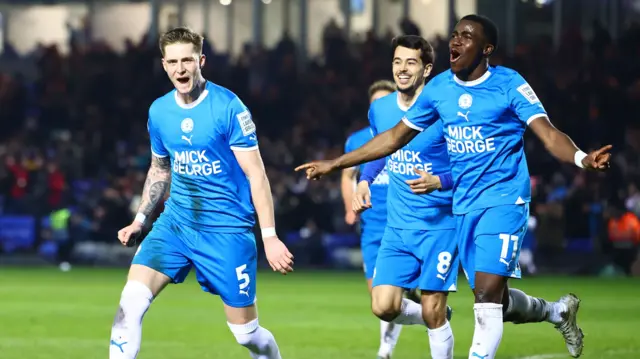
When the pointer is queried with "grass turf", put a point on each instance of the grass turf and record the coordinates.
(45, 313)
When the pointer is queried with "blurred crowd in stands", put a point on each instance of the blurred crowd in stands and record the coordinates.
(75, 139)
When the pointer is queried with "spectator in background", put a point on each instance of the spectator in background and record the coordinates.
(624, 235)
(632, 202)
(56, 185)
(19, 184)
(70, 113)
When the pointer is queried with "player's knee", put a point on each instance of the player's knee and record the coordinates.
(252, 336)
(489, 288)
(385, 307)
(434, 309)
(487, 295)
(134, 302)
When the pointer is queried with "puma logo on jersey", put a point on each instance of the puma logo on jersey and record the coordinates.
(244, 292)
(188, 139)
(464, 115)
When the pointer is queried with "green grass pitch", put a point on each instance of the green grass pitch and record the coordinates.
(45, 313)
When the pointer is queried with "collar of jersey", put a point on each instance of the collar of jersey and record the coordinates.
(475, 82)
(195, 103)
(401, 106)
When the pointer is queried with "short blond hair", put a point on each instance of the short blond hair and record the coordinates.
(382, 85)
(181, 35)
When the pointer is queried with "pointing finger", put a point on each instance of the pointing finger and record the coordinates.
(604, 149)
(304, 166)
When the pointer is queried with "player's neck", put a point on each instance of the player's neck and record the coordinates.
(406, 99)
(195, 93)
(475, 73)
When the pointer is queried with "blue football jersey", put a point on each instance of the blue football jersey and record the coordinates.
(426, 152)
(484, 123)
(208, 187)
(377, 214)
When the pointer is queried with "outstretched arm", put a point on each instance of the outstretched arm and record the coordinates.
(562, 147)
(380, 146)
(526, 105)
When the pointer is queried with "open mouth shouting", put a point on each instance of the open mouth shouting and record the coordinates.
(454, 55)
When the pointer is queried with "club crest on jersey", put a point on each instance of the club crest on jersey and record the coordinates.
(246, 123)
(187, 125)
(465, 101)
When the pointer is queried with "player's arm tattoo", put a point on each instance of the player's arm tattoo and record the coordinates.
(156, 184)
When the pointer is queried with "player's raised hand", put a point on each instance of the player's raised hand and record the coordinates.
(316, 169)
(598, 160)
(362, 198)
(278, 256)
(426, 184)
(128, 235)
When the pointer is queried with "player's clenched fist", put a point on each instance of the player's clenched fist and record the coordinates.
(278, 256)
(315, 170)
(127, 235)
(362, 198)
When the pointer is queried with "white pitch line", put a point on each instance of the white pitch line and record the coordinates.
(545, 356)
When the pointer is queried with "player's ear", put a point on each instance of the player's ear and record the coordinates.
(164, 64)
(427, 70)
(203, 59)
(488, 50)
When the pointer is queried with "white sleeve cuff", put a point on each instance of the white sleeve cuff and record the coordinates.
(411, 125)
(157, 155)
(244, 149)
(536, 116)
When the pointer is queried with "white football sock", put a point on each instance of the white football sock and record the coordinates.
(126, 332)
(555, 312)
(488, 330)
(441, 342)
(389, 334)
(259, 341)
(523, 308)
(410, 313)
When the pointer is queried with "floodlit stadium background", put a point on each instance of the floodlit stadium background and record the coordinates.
(76, 80)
